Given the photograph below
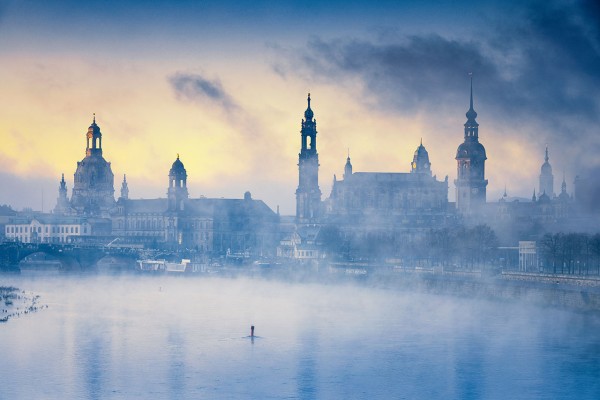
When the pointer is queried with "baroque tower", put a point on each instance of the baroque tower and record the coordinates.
(93, 189)
(470, 156)
(308, 194)
(546, 177)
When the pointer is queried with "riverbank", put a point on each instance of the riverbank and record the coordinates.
(15, 303)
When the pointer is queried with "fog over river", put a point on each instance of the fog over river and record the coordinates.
(176, 338)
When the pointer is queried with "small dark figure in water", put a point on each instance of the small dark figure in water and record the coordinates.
(252, 331)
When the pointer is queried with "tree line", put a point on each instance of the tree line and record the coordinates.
(570, 253)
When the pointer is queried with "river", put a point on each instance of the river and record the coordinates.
(175, 338)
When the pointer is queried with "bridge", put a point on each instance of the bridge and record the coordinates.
(73, 257)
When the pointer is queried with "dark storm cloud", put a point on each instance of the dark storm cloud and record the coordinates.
(418, 71)
(545, 64)
(195, 87)
(536, 68)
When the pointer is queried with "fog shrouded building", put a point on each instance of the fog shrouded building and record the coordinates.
(546, 177)
(211, 226)
(389, 203)
(470, 157)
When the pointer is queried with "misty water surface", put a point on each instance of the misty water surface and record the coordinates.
(173, 338)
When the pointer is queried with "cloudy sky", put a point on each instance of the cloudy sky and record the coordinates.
(224, 84)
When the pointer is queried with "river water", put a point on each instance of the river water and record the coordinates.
(177, 338)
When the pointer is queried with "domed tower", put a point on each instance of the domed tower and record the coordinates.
(177, 192)
(420, 162)
(93, 189)
(470, 156)
(546, 177)
(308, 194)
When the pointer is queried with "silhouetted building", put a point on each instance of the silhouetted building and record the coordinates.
(308, 194)
(470, 156)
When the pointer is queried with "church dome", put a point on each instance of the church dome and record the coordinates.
(471, 149)
(177, 168)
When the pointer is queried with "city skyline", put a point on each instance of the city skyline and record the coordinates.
(226, 87)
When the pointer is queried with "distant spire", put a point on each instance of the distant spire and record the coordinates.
(533, 198)
(471, 104)
(505, 195)
(63, 178)
(421, 142)
(546, 158)
(178, 156)
(125, 178)
(564, 184)
(94, 118)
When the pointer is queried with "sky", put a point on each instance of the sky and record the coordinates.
(224, 85)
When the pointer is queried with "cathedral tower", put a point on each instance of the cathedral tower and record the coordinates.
(470, 156)
(93, 189)
(546, 177)
(308, 194)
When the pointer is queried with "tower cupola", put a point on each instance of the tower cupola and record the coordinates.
(94, 139)
(420, 162)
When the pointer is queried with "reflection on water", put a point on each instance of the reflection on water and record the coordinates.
(163, 338)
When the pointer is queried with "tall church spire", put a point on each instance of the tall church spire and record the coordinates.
(470, 156)
(471, 126)
(308, 194)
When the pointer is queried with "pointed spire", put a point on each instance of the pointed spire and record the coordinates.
(533, 198)
(125, 178)
(471, 104)
(63, 178)
(546, 158)
(505, 195)
(563, 187)
(471, 114)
